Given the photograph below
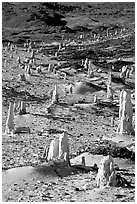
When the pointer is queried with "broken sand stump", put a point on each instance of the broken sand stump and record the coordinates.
(11, 56)
(22, 124)
(22, 77)
(16, 107)
(50, 67)
(56, 54)
(18, 123)
(106, 174)
(125, 113)
(10, 119)
(39, 70)
(50, 110)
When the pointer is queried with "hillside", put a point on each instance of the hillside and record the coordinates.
(25, 20)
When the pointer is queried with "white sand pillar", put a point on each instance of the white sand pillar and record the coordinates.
(65, 76)
(123, 72)
(55, 96)
(106, 174)
(127, 73)
(82, 63)
(59, 150)
(112, 121)
(16, 107)
(109, 88)
(110, 78)
(113, 68)
(32, 54)
(54, 70)
(109, 92)
(6, 49)
(107, 32)
(90, 70)
(18, 59)
(94, 36)
(64, 148)
(50, 67)
(34, 61)
(95, 99)
(26, 67)
(28, 70)
(59, 47)
(53, 150)
(5, 63)
(83, 161)
(11, 47)
(86, 64)
(10, 119)
(116, 32)
(125, 113)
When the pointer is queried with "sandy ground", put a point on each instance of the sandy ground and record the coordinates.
(86, 126)
(42, 184)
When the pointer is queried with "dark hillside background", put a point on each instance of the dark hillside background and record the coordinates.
(36, 20)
